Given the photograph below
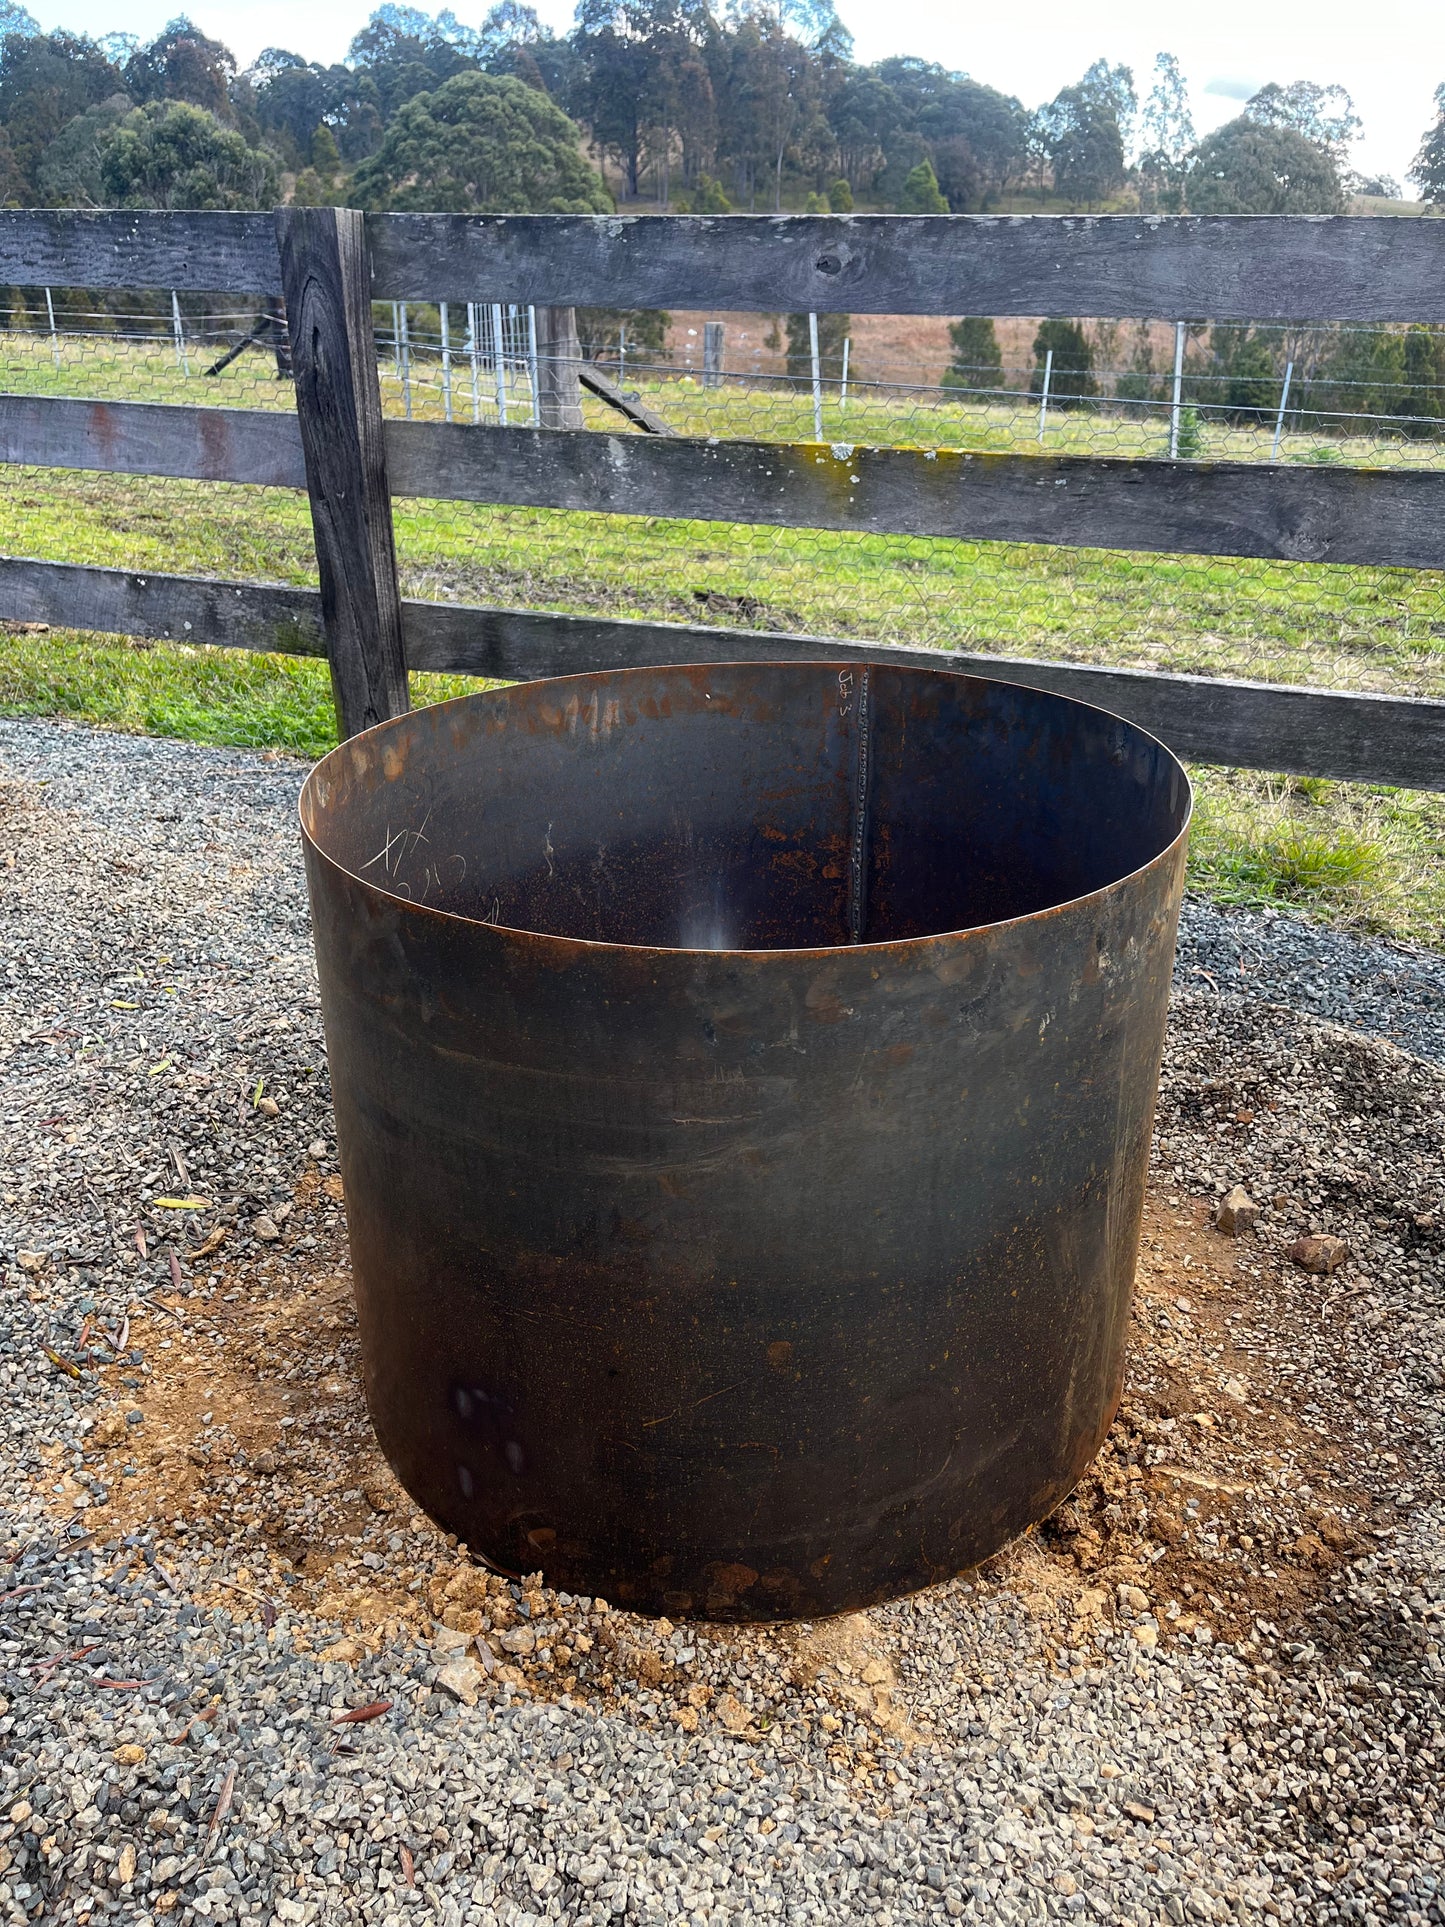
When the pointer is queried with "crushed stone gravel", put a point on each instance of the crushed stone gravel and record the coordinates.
(243, 1679)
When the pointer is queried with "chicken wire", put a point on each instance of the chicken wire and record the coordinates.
(1256, 837)
(478, 363)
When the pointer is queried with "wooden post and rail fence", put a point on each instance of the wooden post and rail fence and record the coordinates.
(330, 264)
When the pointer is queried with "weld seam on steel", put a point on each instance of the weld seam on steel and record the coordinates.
(862, 787)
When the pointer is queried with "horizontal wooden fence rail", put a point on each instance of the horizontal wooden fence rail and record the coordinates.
(1390, 517)
(336, 261)
(1226, 268)
(1351, 737)
(153, 438)
(1394, 517)
(193, 253)
(1233, 268)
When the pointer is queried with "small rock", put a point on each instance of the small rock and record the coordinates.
(129, 1755)
(268, 1107)
(1237, 1212)
(32, 1260)
(317, 1147)
(380, 1495)
(348, 1651)
(521, 1639)
(1066, 1884)
(462, 1678)
(264, 1463)
(266, 1229)
(733, 1715)
(1134, 1599)
(125, 1865)
(1319, 1253)
(1137, 1810)
(1147, 1636)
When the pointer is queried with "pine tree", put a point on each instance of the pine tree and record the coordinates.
(977, 358)
(1422, 404)
(1071, 378)
(920, 192)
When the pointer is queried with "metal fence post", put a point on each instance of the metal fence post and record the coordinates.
(532, 367)
(843, 384)
(181, 359)
(1044, 393)
(445, 313)
(1283, 405)
(474, 316)
(499, 362)
(326, 274)
(1174, 408)
(54, 339)
(817, 378)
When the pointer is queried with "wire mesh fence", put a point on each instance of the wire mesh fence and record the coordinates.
(481, 363)
(1291, 399)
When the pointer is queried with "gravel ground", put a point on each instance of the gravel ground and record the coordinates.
(243, 1679)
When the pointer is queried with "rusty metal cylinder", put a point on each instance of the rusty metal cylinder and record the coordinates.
(744, 1079)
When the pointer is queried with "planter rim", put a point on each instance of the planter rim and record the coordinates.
(902, 946)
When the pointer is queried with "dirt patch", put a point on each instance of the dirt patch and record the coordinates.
(236, 1436)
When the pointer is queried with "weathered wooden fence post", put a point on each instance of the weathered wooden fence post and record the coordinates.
(326, 275)
(712, 354)
(559, 361)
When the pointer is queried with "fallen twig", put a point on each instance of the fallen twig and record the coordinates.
(59, 1659)
(358, 1713)
(196, 1719)
(223, 1806)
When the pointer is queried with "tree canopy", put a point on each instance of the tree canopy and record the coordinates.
(690, 103)
(1248, 168)
(174, 155)
(480, 143)
(1428, 168)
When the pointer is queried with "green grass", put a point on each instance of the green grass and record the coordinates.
(1358, 854)
(103, 367)
(1366, 857)
(1279, 621)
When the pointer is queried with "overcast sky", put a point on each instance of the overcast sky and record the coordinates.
(1390, 54)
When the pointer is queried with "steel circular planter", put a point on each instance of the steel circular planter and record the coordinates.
(743, 1083)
